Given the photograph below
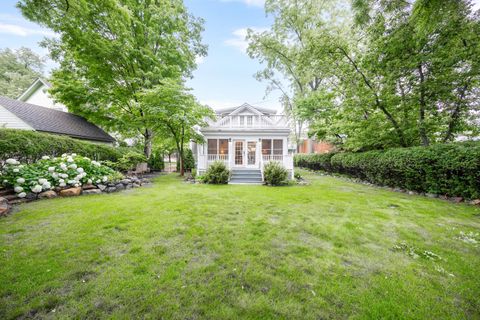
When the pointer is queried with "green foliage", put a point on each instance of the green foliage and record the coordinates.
(18, 69)
(445, 169)
(156, 162)
(189, 161)
(106, 63)
(29, 146)
(275, 174)
(45, 174)
(128, 161)
(217, 173)
(320, 161)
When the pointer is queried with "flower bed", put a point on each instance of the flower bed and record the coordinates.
(67, 175)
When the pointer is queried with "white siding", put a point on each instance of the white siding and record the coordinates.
(41, 98)
(11, 121)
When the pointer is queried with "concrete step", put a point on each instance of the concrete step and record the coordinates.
(253, 175)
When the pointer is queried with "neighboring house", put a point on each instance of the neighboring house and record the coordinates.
(245, 138)
(310, 145)
(15, 114)
(38, 94)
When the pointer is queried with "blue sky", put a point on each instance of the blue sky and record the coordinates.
(223, 79)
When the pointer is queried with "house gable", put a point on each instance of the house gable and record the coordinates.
(38, 94)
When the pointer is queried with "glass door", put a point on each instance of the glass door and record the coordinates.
(251, 153)
(239, 153)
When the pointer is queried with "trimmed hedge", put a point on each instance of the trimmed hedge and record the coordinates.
(444, 169)
(29, 146)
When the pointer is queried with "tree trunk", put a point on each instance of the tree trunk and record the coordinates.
(423, 105)
(454, 118)
(182, 162)
(147, 147)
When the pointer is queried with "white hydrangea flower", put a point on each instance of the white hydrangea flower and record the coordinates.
(5, 181)
(61, 180)
(69, 159)
(16, 170)
(51, 169)
(105, 179)
(20, 180)
(98, 181)
(11, 161)
(80, 170)
(37, 188)
(64, 175)
(45, 158)
(62, 184)
(74, 154)
(21, 166)
(95, 163)
(22, 195)
(89, 181)
(71, 181)
(42, 181)
(18, 189)
(77, 185)
(63, 166)
(55, 175)
(64, 155)
(46, 185)
(73, 166)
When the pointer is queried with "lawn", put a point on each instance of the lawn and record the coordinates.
(332, 249)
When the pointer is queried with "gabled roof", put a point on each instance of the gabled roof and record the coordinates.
(38, 83)
(254, 109)
(54, 121)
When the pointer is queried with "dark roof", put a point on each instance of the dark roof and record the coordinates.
(54, 121)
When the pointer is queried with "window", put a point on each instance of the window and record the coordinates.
(266, 146)
(249, 121)
(217, 146)
(272, 146)
(212, 146)
(278, 147)
(223, 146)
(241, 118)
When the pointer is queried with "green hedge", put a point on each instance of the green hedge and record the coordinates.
(29, 146)
(444, 169)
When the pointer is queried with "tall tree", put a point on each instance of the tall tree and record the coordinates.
(111, 51)
(18, 69)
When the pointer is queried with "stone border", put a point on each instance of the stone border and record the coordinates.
(8, 197)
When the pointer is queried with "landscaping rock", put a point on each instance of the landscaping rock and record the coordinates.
(120, 186)
(71, 192)
(475, 202)
(47, 194)
(136, 185)
(92, 191)
(126, 181)
(102, 187)
(431, 195)
(412, 193)
(88, 187)
(31, 196)
(110, 189)
(456, 199)
(4, 206)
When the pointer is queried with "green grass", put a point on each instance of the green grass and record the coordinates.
(173, 250)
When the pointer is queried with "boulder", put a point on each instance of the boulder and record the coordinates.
(126, 181)
(431, 195)
(102, 187)
(120, 186)
(47, 194)
(456, 199)
(71, 192)
(92, 191)
(88, 187)
(110, 189)
(136, 185)
(31, 196)
(475, 202)
(4, 206)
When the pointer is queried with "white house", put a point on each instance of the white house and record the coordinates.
(37, 94)
(245, 138)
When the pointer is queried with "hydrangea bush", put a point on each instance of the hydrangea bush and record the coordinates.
(69, 170)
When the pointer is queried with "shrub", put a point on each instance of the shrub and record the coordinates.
(156, 161)
(274, 173)
(217, 173)
(128, 161)
(45, 174)
(29, 146)
(189, 160)
(447, 169)
(320, 161)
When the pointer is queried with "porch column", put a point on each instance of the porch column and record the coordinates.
(230, 153)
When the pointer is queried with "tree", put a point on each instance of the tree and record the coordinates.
(286, 49)
(18, 69)
(407, 75)
(111, 52)
(175, 111)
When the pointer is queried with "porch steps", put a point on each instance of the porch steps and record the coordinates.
(246, 176)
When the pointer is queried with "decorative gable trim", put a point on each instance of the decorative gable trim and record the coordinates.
(37, 84)
(246, 106)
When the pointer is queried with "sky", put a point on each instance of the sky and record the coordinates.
(225, 78)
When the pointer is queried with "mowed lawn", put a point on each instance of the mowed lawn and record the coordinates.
(330, 250)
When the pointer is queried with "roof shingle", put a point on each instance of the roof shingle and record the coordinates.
(54, 121)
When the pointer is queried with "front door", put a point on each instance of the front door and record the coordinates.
(239, 153)
(251, 153)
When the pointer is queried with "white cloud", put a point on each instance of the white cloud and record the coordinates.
(238, 40)
(251, 3)
(23, 31)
